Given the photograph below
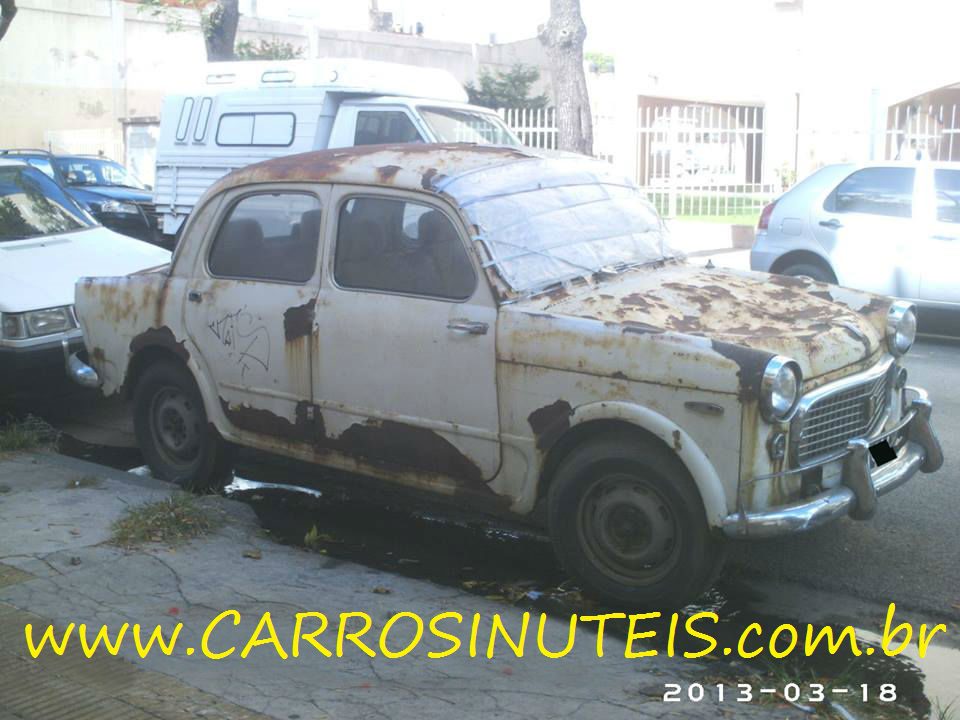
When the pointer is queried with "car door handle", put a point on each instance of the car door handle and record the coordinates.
(468, 327)
(943, 237)
(194, 296)
(833, 224)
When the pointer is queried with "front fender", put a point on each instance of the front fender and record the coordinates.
(701, 469)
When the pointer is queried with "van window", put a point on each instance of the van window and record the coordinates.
(186, 112)
(203, 118)
(948, 195)
(256, 129)
(401, 247)
(268, 237)
(375, 127)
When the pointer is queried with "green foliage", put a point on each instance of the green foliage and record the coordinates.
(510, 89)
(209, 18)
(599, 62)
(274, 49)
(30, 433)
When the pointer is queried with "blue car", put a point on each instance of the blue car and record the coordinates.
(104, 188)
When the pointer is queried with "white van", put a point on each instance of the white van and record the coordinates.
(246, 112)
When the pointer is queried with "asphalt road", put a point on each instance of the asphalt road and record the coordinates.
(909, 553)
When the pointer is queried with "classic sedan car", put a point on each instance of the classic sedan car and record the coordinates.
(511, 330)
(47, 241)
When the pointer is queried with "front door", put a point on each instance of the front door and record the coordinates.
(940, 281)
(250, 303)
(406, 368)
(867, 228)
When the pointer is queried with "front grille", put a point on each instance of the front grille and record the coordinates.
(825, 424)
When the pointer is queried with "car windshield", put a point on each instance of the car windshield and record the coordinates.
(32, 205)
(544, 223)
(97, 171)
(463, 126)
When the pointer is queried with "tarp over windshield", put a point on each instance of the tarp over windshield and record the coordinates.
(548, 220)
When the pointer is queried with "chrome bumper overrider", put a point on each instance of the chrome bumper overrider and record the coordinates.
(861, 484)
(78, 370)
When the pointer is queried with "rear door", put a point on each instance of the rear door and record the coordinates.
(940, 279)
(867, 227)
(406, 367)
(250, 303)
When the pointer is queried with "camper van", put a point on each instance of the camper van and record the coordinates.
(245, 112)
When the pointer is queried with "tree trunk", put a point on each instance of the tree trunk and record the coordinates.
(8, 9)
(219, 20)
(563, 37)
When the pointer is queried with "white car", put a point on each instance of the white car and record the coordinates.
(889, 228)
(47, 241)
(511, 330)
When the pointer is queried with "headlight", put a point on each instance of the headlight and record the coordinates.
(901, 327)
(118, 208)
(37, 323)
(780, 389)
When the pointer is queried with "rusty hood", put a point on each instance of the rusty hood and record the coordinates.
(823, 327)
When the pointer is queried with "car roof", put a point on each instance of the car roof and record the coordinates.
(425, 166)
(11, 162)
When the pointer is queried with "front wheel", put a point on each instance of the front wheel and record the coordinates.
(627, 521)
(809, 270)
(171, 426)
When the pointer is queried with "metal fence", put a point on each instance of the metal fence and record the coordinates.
(719, 163)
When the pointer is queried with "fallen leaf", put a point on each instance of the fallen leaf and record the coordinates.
(74, 532)
(253, 554)
(75, 560)
(173, 611)
(379, 590)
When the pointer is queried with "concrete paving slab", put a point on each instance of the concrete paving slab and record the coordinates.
(56, 564)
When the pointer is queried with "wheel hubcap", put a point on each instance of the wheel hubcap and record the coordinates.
(176, 425)
(629, 528)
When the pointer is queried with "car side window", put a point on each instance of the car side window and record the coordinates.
(402, 247)
(947, 186)
(375, 127)
(269, 236)
(884, 191)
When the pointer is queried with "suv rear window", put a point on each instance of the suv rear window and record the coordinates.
(884, 191)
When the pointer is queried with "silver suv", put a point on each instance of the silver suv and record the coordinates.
(889, 228)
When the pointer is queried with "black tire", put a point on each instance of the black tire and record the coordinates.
(627, 521)
(811, 270)
(171, 426)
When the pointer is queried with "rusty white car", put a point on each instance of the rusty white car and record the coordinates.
(511, 330)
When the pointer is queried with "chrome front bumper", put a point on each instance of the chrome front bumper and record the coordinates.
(861, 481)
(78, 370)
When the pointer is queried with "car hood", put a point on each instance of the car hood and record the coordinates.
(823, 327)
(41, 272)
(99, 193)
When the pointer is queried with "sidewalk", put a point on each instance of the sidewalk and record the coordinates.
(56, 565)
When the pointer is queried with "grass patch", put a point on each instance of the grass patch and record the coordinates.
(29, 433)
(172, 520)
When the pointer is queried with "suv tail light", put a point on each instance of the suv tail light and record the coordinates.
(765, 214)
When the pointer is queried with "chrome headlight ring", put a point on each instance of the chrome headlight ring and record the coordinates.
(780, 389)
(901, 327)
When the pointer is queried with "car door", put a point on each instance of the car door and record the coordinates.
(250, 301)
(406, 367)
(867, 227)
(940, 275)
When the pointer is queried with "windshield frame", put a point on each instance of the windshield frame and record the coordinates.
(60, 197)
(62, 164)
(423, 110)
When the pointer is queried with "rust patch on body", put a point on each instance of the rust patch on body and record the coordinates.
(677, 445)
(298, 321)
(160, 337)
(264, 422)
(386, 173)
(550, 422)
(750, 366)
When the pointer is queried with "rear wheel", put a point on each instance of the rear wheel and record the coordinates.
(177, 441)
(809, 270)
(626, 520)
